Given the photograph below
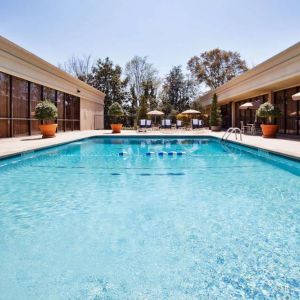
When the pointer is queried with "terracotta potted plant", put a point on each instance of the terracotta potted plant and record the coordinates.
(115, 111)
(46, 112)
(268, 112)
(215, 120)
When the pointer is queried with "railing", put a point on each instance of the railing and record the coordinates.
(231, 130)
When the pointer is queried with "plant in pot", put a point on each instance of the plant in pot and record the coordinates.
(215, 115)
(115, 111)
(46, 112)
(268, 112)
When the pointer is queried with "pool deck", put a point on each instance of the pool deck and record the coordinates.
(12, 146)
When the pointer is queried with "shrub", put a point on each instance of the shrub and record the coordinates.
(46, 111)
(215, 112)
(184, 118)
(115, 111)
(268, 112)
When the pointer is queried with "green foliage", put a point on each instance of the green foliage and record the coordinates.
(268, 111)
(46, 111)
(106, 77)
(215, 112)
(184, 118)
(143, 108)
(215, 67)
(115, 111)
(177, 91)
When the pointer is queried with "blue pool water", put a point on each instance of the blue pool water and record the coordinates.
(81, 222)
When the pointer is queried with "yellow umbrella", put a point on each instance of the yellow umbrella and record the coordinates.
(191, 112)
(155, 113)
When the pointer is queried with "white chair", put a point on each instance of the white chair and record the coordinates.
(195, 123)
(148, 123)
(178, 124)
(168, 123)
(142, 123)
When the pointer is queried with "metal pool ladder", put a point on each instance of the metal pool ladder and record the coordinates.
(231, 130)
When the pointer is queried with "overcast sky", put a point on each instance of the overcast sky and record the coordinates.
(169, 32)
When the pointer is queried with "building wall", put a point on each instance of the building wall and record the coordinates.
(279, 72)
(20, 63)
(274, 80)
(91, 115)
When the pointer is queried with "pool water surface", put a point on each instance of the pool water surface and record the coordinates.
(81, 221)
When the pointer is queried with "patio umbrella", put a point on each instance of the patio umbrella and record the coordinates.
(296, 96)
(250, 105)
(155, 113)
(191, 112)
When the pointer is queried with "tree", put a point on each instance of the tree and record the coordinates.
(115, 111)
(148, 99)
(79, 67)
(177, 91)
(215, 67)
(139, 71)
(106, 77)
(215, 112)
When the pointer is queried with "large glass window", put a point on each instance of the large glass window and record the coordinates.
(61, 111)
(289, 122)
(20, 106)
(35, 98)
(48, 94)
(247, 116)
(18, 100)
(4, 105)
(291, 112)
(72, 112)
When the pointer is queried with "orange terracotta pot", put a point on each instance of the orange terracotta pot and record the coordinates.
(269, 131)
(116, 128)
(48, 130)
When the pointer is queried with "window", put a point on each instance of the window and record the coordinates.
(18, 100)
(4, 105)
(35, 98)
(20, 106)
(48, 94)
(61, 111)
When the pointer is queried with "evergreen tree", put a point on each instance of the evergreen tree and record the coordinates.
(215, 112)
(106, 77)
(177, 91)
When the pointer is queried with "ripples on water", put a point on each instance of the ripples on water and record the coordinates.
(81, 222)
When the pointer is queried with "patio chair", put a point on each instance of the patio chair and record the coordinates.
(148, 123)
(142, 123)
(245, 128)
(195, 123)
(179, 124)
(256, 129)
(168, 123)
(201, 124)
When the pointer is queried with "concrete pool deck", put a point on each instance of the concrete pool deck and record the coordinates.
(12, 146)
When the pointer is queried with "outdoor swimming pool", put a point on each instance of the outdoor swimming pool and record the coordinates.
(80, 221)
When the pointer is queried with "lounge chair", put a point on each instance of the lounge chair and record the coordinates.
(148, 124)
(179, 124)
(142, 123)
(168, 123)
(195, 123)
